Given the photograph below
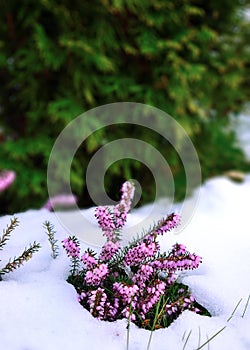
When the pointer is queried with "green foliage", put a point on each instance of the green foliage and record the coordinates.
(59, 59)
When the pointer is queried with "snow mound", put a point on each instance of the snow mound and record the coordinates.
(39, 309)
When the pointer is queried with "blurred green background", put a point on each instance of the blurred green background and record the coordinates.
(61, 58)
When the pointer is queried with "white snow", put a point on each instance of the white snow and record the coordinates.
(39, 309)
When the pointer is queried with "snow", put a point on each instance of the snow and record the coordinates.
(39, 309)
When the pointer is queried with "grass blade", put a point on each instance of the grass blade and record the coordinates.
(187, 340)
(234, 310)
(215, 335)
(245, 309)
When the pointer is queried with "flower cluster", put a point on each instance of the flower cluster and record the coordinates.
(111, 220)
(140, 252)
(181, 304)
(131, 281)
(7, 177)
(71, 245)
(97, 275)
(108, 250)
(89, 260)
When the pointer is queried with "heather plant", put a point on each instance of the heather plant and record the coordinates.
(138, 281)
(20, 260)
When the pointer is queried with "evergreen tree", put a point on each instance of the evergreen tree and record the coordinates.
(58, 59)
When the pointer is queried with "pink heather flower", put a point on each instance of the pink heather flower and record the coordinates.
(97, 275)
(7, 177)
(128, 190)
(108, 250)
(154, 293)
(96, 300)
(81, 296)
(104, 217)
(178, 249)
(126, 292)
(143, 275)
(183, 303)
(112, 309)
(123, 207)
(141, 251)
(62, 200)
(71, 245)
(120, 216)
(166, 224)
(127, 313)
(105, 220)
(89, 260)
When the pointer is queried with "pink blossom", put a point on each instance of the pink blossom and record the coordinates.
(104, 217)
(63, 200)
(141, 251)
(95, 276)
(7, 177)
(123, 207)
(126, 292)
(143, 275)
(108, 250)
(96, 300)
(166, 224)
(71, 245)
(89, 260)
(154, 293)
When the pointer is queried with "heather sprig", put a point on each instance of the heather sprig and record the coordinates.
(7, 232)
(137, 281)
(72, 247)
(51, 237)
(111, 220)
(26, 254)
(21, 259)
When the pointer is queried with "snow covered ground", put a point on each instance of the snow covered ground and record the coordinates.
(39, 309)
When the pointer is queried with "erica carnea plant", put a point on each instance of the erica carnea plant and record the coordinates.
(26, 255)
(138, 281)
